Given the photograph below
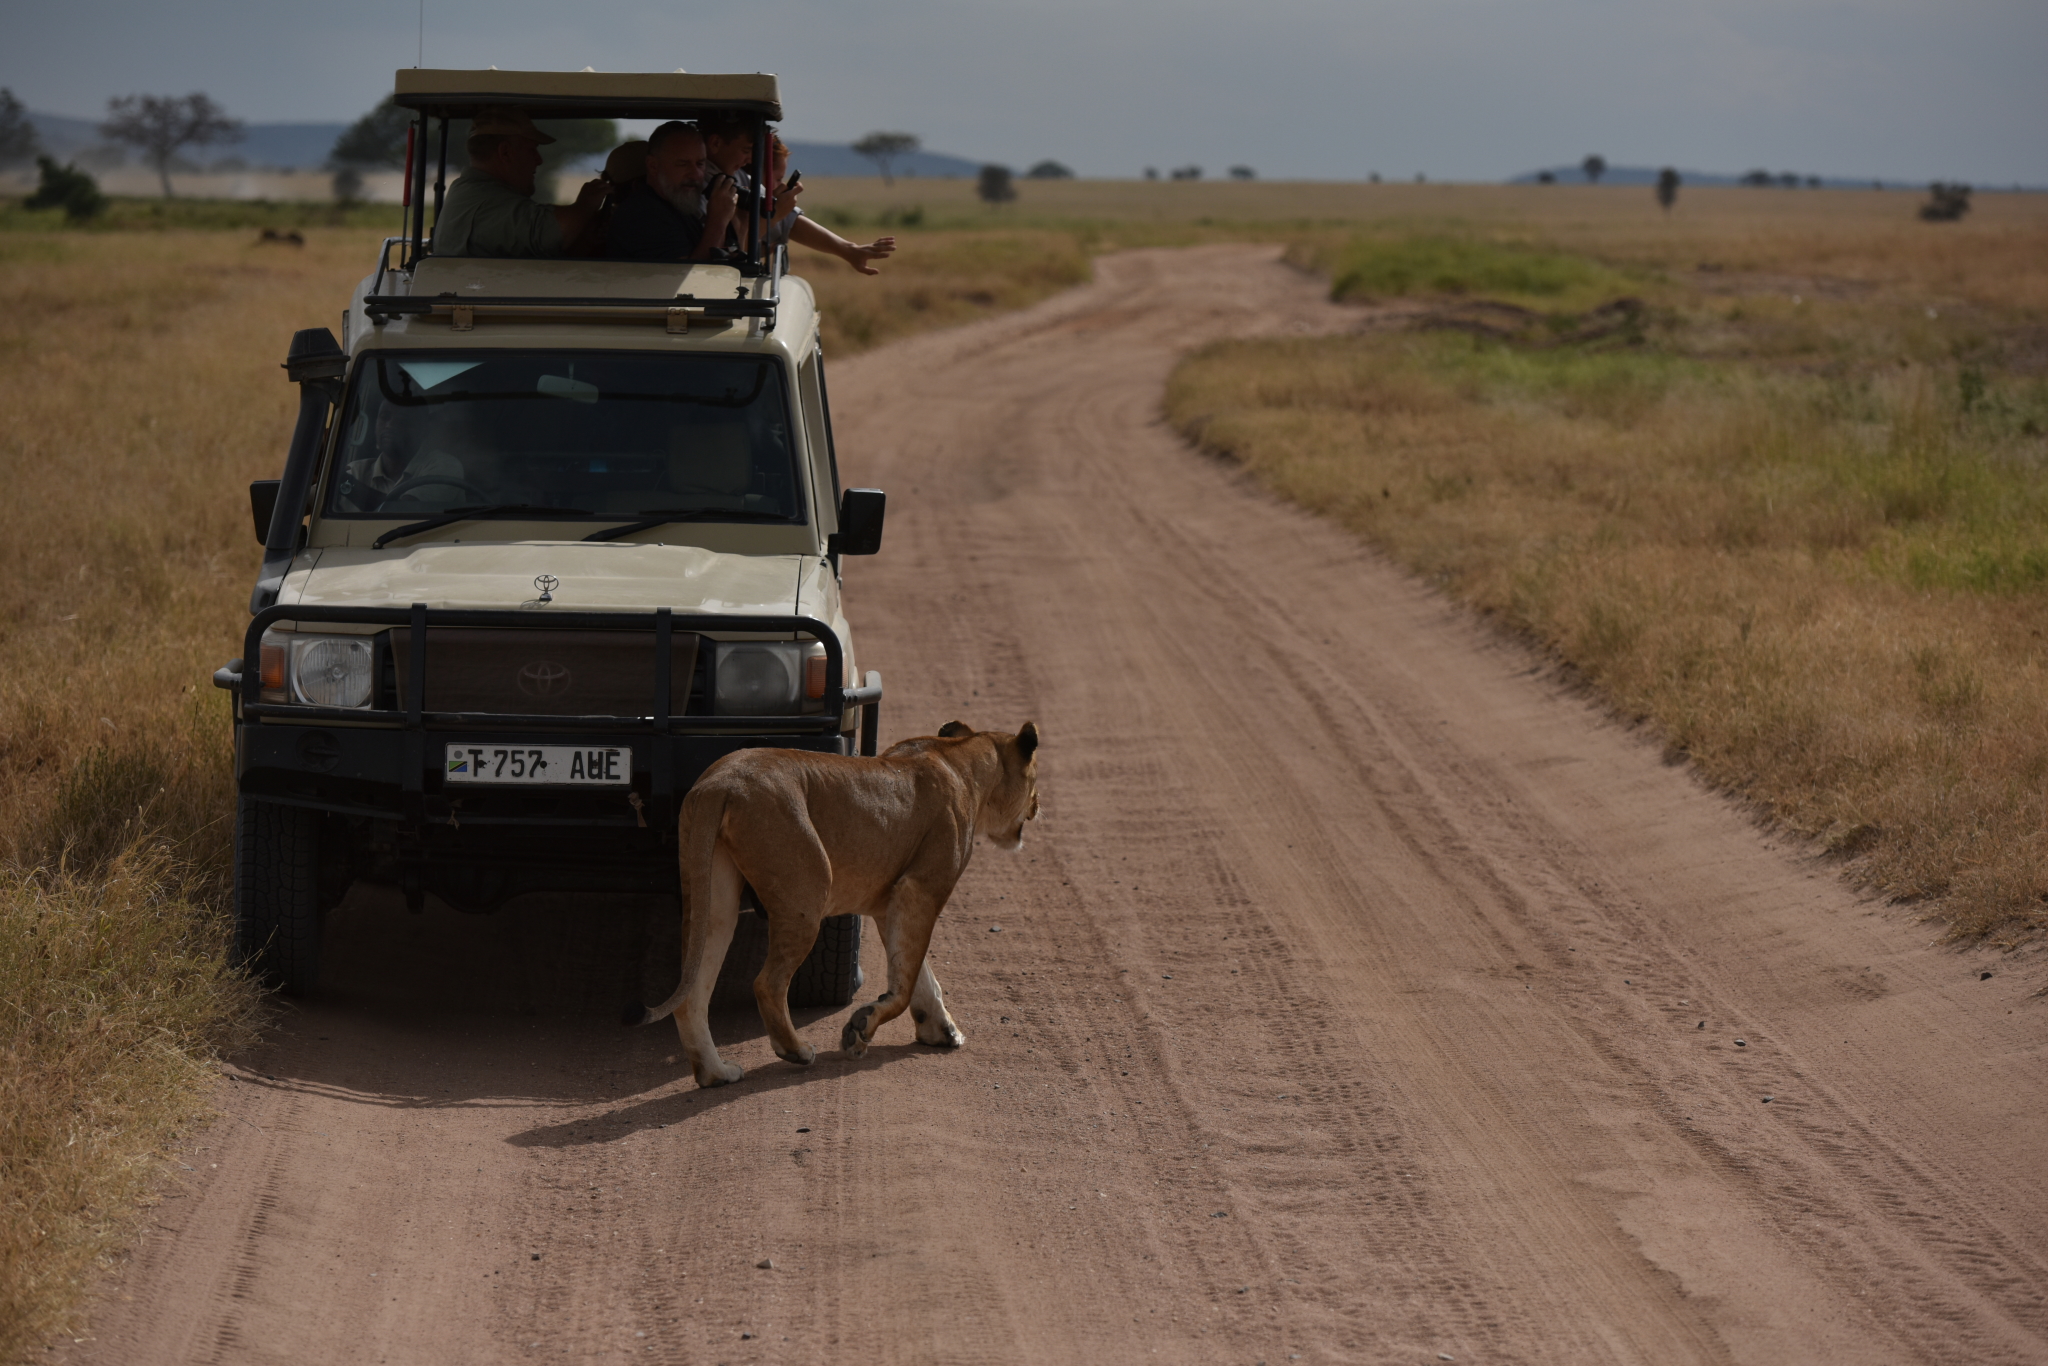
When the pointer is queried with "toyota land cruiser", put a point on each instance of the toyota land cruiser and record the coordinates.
(551, 537)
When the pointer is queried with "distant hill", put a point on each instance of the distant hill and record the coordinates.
(304, 146)
(283, 146)
(834, 158)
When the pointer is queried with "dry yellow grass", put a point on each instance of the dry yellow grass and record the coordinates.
(1806, 537)
(938, 279)
(139, 394)
(118, 998)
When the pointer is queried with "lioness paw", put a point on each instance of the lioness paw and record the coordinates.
(939, 1032)
(942, 1038)
(804, 1055)
(720, 1073)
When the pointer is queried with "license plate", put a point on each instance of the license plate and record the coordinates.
(547, 765)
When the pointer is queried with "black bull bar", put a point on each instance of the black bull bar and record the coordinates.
(413, 720)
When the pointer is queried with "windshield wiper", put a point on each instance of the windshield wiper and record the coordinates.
(464, 514)
(663, 516)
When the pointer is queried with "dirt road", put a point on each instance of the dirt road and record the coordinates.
(1362, 997)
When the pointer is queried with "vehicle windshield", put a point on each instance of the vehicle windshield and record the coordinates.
(609, 434)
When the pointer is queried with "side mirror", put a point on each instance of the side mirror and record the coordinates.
(263, 505)
(860, 523)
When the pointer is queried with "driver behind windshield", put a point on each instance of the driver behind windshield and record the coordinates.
(384, 454)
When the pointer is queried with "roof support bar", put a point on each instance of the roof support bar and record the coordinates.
(758, 248)
(441, 175)
(419, 195)
(379, 307)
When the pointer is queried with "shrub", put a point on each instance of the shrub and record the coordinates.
(69, 189)
(996, 185)
(1945, 202)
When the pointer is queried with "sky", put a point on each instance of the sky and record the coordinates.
(1323, 89)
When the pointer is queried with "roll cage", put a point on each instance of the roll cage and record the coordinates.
(445, 96)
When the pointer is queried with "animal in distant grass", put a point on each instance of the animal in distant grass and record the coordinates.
(825, 834)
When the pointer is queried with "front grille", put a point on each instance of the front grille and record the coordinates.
(545, 673)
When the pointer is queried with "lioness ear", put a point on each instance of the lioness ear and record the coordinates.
(955, 728)
(1027, 741)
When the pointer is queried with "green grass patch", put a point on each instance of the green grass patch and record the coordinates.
(1443, 264)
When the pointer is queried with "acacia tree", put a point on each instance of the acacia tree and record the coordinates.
(17, 135)
(884, 148)
(159, 125)
(376, 140)
(1667, 187)
(1594, 166)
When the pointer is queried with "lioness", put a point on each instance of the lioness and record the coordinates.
(828, 834)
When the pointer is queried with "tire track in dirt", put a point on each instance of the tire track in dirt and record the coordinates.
(1363, 996)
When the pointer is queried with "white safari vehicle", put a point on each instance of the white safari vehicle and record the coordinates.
(551, 537)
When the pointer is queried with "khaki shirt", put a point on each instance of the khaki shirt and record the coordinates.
(483, 216)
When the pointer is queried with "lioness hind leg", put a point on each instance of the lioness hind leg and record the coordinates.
(906, 934)
(790, 938)
(935, 1025)
(707, 934)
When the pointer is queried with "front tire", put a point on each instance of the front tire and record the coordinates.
(277, 893)
(831, 975)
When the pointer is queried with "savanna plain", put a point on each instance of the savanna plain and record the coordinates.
(1766, 474)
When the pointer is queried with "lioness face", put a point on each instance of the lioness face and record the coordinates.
(1013, 801)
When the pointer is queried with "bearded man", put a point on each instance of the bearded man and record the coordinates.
(671, 219)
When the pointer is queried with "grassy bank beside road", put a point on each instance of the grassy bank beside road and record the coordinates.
(1781, 490)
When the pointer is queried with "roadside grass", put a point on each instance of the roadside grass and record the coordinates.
(118, 999)
(153, 214)
(139, 392)
(940, 279)
(1806, 539)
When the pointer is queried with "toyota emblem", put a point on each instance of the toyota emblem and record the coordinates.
(547, 584)
(543, 678)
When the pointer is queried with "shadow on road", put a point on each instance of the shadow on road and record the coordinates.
(520, 1010)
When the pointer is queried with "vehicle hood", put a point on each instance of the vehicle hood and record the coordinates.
(601, 576)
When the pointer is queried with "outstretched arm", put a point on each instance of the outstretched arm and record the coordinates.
(821, 238)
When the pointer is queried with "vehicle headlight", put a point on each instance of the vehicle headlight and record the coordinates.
(757, 678)
(319, 671)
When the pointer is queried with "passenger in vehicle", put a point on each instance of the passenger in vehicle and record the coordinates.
(729, 148)
(624, 174)
(669, 218)
(490, 209)
(625, 170)
(385, 454)
(728, 151)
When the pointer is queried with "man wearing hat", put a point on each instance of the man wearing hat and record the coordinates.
(490, 210)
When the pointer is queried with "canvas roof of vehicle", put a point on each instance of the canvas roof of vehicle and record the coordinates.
(588, 94)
